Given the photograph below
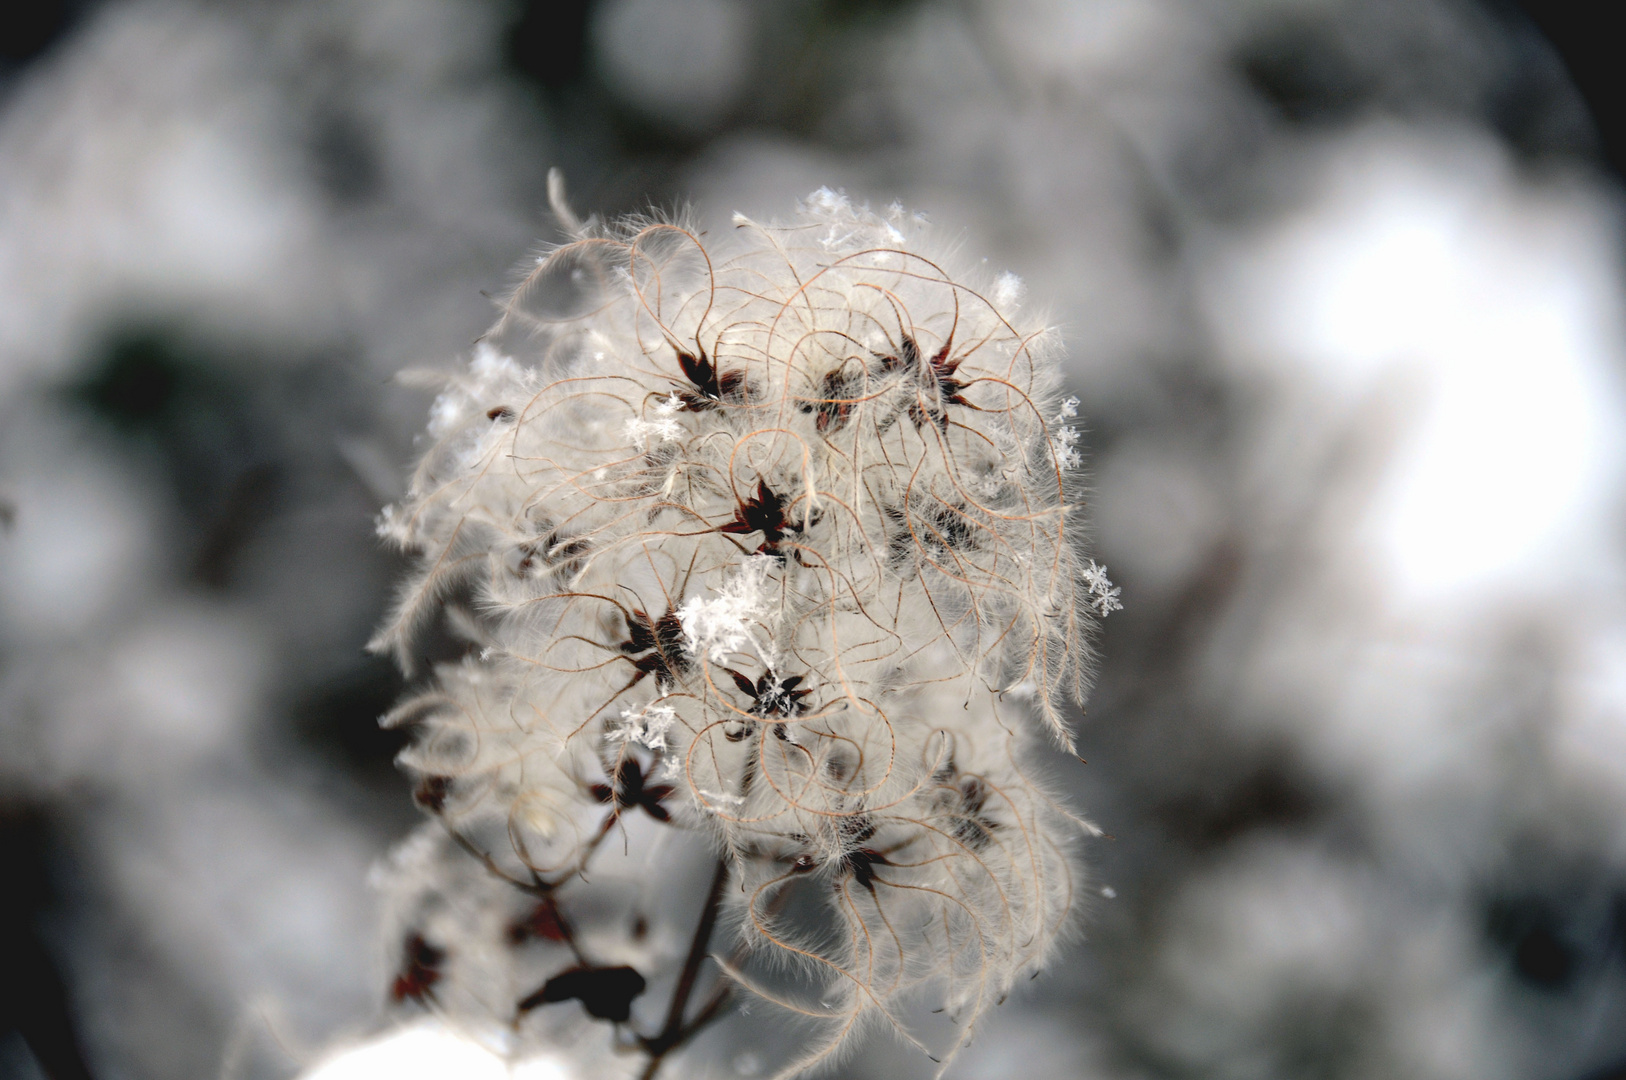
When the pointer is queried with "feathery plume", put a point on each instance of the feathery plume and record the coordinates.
(770, 541)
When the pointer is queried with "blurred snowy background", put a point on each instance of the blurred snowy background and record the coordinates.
(1342, 282)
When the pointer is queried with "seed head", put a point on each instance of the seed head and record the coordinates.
(784, 521)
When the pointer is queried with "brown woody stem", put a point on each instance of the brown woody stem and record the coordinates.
(674, 1032)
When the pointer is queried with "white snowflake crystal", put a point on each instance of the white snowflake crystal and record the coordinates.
(718, 625)
(446, 413)
(662, 429)
(658, 720)
(1008, 290)
(1065, 439)
(645, 727)
(1104, 595)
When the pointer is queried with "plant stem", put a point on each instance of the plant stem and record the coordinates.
(673, 1032)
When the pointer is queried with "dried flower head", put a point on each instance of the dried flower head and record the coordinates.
(768, 540)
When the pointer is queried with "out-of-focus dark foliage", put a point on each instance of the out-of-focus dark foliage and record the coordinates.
(1584, 36)
(34, 1004)
(28, 31)
(548, 43)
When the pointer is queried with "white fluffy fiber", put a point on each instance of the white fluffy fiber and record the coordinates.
(801, 495)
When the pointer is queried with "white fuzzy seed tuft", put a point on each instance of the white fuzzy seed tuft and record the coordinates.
(769, 540)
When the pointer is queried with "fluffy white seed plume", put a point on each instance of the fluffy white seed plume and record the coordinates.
(768, 540)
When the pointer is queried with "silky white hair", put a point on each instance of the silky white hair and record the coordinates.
(787, 519)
